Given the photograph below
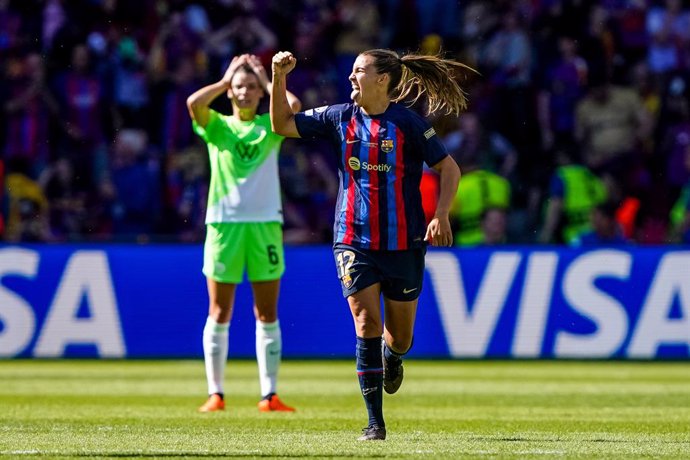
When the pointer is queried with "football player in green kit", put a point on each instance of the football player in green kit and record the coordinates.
(243, 222)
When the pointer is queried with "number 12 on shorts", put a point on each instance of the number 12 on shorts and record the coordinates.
(345, 260)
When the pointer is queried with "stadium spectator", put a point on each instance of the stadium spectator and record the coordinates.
(310, 189)
(175, 41)
(186, 192)
(10, 25)
(494, 226)
(605, 230)
(132, 186)
(28, 110)
(399, 24)
(573, 192)
(631, 26)
(680, 213)
(478, 191)
(243, 32)
(130, 85)
(645, 86)
(668, 25)
(611, 124)
(675, 135)
(84, 105)
(597, 44)
(508, 61)
(27, 214)
(168, 98)
(478, 20)
(243, 220)
(68, 202)
(54, 19)
(564, 85)
(438, 17)
(473, 146)
(356, 31)
(666, 161)
(380, 230)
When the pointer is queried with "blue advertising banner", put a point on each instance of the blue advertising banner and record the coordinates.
(129, 301)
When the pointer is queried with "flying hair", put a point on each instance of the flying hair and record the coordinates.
(415, 75)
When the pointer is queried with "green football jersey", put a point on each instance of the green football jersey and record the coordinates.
(244, 169)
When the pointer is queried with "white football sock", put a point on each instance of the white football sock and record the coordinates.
(215, 354)
(268, 351)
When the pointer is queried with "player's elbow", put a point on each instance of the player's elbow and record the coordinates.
(192, 103)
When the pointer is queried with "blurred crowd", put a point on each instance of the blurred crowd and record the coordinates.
(578, 129)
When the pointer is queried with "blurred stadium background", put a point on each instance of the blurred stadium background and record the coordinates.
(97, 145)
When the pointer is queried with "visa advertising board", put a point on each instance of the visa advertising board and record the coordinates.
(129, 301)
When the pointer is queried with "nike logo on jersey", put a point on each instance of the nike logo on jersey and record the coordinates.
(407, 291)
(354, 141)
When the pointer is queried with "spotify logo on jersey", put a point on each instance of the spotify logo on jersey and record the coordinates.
(356, 165)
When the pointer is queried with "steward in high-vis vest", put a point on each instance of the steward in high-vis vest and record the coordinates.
(574, 192)
(478, 191)
(680, 217)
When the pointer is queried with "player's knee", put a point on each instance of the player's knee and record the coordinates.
(401, 344)
(219, 313)
(367, 325)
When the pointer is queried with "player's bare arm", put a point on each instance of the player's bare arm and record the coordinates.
(439, 232)
(282, 114)
(198, 103)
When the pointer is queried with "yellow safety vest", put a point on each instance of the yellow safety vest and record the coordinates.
(583, 191)
(478, 190)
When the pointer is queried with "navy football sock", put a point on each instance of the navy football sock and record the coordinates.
(394, 357)
(391, 356)
(370, 373)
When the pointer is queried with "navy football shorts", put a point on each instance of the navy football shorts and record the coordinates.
(400, 273)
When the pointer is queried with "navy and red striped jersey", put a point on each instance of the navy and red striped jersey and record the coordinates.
(380, 166)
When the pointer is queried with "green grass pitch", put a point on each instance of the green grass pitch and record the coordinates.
(445, 409)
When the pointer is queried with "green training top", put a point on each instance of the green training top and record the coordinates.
(244, 169)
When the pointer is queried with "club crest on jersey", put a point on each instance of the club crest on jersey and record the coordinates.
(387, 145)
(347, 281)
(247, 152)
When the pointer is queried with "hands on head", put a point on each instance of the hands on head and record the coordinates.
(282, 64)
(255, 64)
(235, 64)
(250, 60)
